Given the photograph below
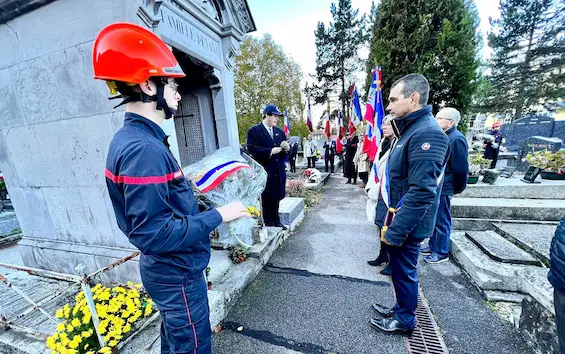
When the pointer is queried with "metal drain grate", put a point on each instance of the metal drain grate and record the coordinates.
(426, 338)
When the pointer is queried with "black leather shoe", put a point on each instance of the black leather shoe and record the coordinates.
(390, 326)
(381, 259)
(386, 312)
(386, 270)
(281, 226)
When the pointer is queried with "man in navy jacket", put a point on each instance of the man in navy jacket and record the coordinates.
(454, 182)
(557, 279)
(153, 201)
(267, 145)
(415, 169)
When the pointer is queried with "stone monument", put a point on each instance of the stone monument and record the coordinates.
(57, 122)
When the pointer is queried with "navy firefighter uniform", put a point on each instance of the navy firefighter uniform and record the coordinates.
(415, 170)
(260, 143)
(153, 201)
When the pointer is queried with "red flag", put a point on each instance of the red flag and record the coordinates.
(309, 119)
(328, 127)
(352, 128)
(338, 146)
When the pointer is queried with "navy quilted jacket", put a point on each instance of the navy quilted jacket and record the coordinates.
(415, 168)
(154, 203)
(557, 253)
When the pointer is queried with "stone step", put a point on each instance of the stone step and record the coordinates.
(478, 224)
(513, 188)
(500, 249)
(533, 238)
(489, 274)
(508, 209)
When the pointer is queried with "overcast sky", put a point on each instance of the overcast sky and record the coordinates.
(292, 24)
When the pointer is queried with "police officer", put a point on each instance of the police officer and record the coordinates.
(415, 167)
(267, 145)
(153, 201)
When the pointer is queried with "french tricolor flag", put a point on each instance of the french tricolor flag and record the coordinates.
(374, 114)
(286, 123)
(218, 174)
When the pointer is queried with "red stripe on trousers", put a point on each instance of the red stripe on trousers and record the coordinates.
(141, 180)
(190, 320)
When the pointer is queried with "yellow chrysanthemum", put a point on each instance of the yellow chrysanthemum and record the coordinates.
(75, 322)
(148, 308)
(126, 328)
(73, 344)
(66, 310)
(138, 286)
(72, 351)
(70, 328)
(90, 352)
(119, 289)
(60, 313)
(77, 338)
(86, 334)
(112, 343)
(51, 343)
(60, 327)
(86, 319)
(105, 350)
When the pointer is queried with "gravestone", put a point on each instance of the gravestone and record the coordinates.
(536, 143)
(520, 130)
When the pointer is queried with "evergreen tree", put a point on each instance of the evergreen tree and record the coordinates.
(436, 38)
(336, 51)
(528, 66)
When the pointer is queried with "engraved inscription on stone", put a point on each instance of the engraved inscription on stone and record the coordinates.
(185, 33)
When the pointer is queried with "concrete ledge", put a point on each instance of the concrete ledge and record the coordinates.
(537, 325)
(508, 209)
(291, 212)
(533, 238)
(500, 249)
(472, 224)
(492, 275)
(515, 189)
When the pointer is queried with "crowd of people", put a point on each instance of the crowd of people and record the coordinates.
(421, 163)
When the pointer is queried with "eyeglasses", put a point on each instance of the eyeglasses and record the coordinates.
(174, 86)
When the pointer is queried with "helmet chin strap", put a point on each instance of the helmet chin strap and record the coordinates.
(162, 104)
(142, 97)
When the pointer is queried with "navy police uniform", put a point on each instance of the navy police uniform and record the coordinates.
(260, 143)
(155, 207)
(415, 168)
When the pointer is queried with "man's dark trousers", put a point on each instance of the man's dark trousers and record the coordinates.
(404, 262)
(439, 242)
(271, 212)
(330, 161)
(559, 303)
(185, 315)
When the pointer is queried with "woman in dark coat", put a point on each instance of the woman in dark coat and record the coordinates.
(350, 149)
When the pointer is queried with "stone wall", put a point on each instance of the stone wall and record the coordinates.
(55, 129)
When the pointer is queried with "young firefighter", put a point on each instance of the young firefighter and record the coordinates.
(153, 201)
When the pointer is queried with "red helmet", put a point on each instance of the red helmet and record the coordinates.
(130, 53)
(496, 124)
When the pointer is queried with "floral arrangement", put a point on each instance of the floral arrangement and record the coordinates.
(118, 310)
(239, 254)
(297, 189)
(476, 163)
(547, 160)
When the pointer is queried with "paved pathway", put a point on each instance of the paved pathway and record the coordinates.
(315, 295)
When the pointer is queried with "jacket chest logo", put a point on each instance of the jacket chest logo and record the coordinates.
(426, 146)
